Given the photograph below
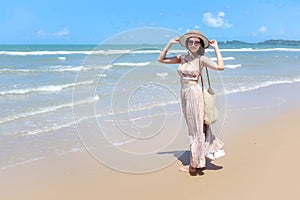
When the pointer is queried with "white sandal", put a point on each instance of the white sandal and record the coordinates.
(210, 156)
(219, 154)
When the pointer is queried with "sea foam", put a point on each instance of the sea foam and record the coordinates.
(48, 109)
(46, 88)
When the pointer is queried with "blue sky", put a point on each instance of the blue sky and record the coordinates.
(92, 21)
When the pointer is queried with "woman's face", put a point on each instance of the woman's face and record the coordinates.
(194, 44)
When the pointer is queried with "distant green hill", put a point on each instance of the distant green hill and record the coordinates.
(266, 42)
(281, 42)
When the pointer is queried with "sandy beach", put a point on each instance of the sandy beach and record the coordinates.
(261, 162)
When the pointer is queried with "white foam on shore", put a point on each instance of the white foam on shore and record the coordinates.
(61, 58)
(261, 85)
(46, 88)
(162, 75)
(120, 143)
(73, 122)
(41, 53)
(131, 64)
(224, 58)
(56, 68)
(22, 162)
(136, 109)
(233, 66)
(73, 150)
(64, 68)
(12, 70)
(47, 110)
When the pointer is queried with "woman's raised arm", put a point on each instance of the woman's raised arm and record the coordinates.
(169, 60)
(219, 65)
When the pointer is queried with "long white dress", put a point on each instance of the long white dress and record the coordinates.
(202, 141)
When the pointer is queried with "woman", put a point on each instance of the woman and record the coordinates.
(203, 145)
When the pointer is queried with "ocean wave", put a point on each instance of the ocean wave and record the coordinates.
(261, 85)
(162, 75)
(20, 70)
(65, 68)
(233, 66)
(131, 64)
(41, 53)
(93, 52)
(48, 109)
(70, 68)
(73, 122)
(46, 129)
(224, 58)
(61, 58)
(47, 88)
(57, 68)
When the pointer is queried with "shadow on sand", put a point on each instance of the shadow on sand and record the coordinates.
(184, 158)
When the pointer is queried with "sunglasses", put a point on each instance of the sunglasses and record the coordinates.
(193, 42)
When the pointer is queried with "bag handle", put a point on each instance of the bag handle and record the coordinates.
(208, 80)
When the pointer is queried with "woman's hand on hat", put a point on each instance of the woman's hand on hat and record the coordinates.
(213, 43)
(174, 40)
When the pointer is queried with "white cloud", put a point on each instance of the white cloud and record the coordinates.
(215, 22)
(263, 29)
(197, 27)
(41, 34)
(62, 33)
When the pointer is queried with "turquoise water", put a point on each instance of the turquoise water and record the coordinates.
(37, 81)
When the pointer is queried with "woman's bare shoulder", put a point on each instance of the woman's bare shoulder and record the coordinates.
(204, 59)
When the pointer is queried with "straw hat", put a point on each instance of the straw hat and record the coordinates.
(194, 33)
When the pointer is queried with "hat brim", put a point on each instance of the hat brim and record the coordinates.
(182, 39)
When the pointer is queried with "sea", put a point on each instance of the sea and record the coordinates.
(45, 89)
